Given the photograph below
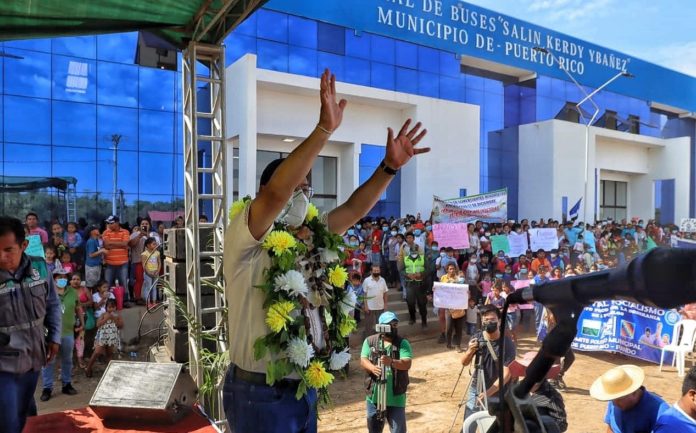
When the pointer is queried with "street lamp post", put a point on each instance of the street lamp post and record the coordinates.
(588, 97)
(115, 140)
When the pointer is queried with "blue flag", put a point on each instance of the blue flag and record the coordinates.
(573, 214)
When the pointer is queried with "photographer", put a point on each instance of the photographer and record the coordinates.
(397, 366)
(484, 350)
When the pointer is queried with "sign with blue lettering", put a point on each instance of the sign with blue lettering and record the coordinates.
(469, 30)
(632, 329)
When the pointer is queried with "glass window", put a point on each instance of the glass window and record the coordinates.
(382, 76)
(248, 26)
(331, 38)
(323, 176)
(406, 54)
(78, 163)
(120, 121)
(31, 44)
(117, 47)
(178, 184)
(621, 197)
(156, 131)
(26, 160)
(272, 25)
(333, 62)
(303, 61)
(128, 171)
(449, 64)
(156, 90)
(428, 59)
(78, 46)
(74, 79)
(357, 45)
(27, 120)
(272, 55)
(406, 80)
(428, 84)
(117, 84)
(157, 173)
(609, 193)
(236, 46)
(382, 49)
(29, 75)
(263, 158)
(357, 71)
(302, 32)
(74, 124)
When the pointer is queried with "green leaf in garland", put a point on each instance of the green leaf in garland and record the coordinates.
(301, 390)
(277, 370)
(260, 348)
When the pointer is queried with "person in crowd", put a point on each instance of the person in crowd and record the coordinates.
(375, 236)
(67, 293)
(66, 262)
(414, 271)
(178, 223)
(540, 260)
(31, 335)
(486, 345)
(73, 240)
(202, 218)
(457, 317)
(406, 248)
(360, 258)
(496, 297)
(446, 257)
(84, 297)
(513, 313)
(396, 266)
(397, 360)
(355, 285)
(116, 241)
(631, 408)
(681, 417)
(94, 255)
(32, 222)
(52, 261)
(556, 274)
(283, 183)
(472, 315)
(108, 339)
(150, 262)
(136, 243)
(375, 289)
(57, 238)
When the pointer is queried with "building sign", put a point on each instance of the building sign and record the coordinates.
(465, 29)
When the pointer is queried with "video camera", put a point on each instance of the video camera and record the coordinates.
(382, 328)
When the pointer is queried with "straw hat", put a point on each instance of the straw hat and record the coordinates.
(617, 382)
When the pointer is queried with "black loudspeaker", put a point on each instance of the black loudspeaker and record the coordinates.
(175, 243)
(155, 52)
(177, 320)
(147, 391)
(175, 275)
(177, 344)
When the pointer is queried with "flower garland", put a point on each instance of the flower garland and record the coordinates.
(305, 275)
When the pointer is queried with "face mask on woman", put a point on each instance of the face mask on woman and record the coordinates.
(61, 283)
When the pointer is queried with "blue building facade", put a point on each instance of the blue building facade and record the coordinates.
(63, 99)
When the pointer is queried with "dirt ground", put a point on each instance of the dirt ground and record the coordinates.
(430, 407)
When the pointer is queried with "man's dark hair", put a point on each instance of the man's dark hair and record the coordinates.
(409, 234)
(12, 225)
(489, 309)
(30, 214)
(689, 381)
(269, 170)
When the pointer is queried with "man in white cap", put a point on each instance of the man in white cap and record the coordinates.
(681, 418)
(631, 408)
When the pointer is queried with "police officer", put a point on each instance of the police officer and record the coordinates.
(29, 307)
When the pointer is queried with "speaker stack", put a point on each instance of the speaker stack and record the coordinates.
(175, 274)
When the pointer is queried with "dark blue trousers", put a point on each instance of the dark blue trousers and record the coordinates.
(17, 400)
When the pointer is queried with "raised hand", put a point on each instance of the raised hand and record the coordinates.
(331, 113)
(402, 148)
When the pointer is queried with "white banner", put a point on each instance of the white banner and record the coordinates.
(518, 244)
(543, 239)
(688, 225)
(489, 207)
(449, 295)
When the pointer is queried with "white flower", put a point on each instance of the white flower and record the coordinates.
(300, 352)
(292, 282)
(348, 302)
(328, 256)
(339, 360)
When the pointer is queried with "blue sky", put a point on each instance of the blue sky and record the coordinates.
(657, 31)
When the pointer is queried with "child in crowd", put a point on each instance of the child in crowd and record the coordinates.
(471, 317)
(151, 266)
(51, 262)
(57, 239)
(495, 297)
(73, 241)
(108, 339)
(66, 262)
(100, 297)
(94, 255)
(486, 284)
(513, 317)
(355, 286)
(80, 336)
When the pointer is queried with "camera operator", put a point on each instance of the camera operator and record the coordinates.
(484, 350)
(397, 375)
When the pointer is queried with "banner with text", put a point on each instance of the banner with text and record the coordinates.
(688, 225)
(635, 330)
(447, 295)
(452, 235)
(489, 207)
(519, 244)
(543, 239)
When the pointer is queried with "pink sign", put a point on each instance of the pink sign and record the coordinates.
(521, 284)
(452, 235)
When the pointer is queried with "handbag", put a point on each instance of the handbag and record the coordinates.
(90, 321)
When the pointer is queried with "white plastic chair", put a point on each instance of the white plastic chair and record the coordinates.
(482, 419)
(680, 346)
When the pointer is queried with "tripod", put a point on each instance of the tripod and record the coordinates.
(480, 381)
(381, 381)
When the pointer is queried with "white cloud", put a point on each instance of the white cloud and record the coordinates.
(568, 10)
(679, 56)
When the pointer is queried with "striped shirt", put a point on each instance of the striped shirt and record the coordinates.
(116, 256)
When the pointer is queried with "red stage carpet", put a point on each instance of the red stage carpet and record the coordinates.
(84, 420)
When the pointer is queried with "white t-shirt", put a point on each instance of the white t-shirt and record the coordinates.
(96, 297)
(472, 315)
(374, 292)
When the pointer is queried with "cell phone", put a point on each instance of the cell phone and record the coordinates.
(143, 229)
(382, 329)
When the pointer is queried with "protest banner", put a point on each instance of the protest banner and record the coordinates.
(500, 243)
(518, 244)
(488, 207)
(636, 330)
(685, 243)
(35, 248)
(688, 225)
(543, 239)
(449, 295)
(452, 235)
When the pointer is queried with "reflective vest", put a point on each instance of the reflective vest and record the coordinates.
(412, 266)
(22, 313)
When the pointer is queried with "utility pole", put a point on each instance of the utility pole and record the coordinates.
(115, 140)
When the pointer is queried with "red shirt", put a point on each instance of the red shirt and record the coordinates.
(376, 237)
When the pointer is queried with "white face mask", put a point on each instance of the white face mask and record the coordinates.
(295, 210)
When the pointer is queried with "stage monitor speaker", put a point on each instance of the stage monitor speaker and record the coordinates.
(175, 243)
(147, 391)
(155, 52)
(175, 276)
